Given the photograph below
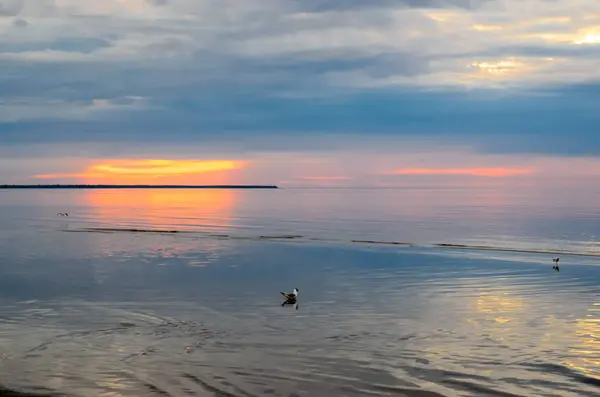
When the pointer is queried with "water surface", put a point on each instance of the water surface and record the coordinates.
(90, 307)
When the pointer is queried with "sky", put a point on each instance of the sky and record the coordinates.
(299, 92)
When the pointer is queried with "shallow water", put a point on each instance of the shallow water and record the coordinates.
(115, 312)
(534, 218)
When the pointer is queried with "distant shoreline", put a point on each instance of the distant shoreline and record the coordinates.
(139, 187)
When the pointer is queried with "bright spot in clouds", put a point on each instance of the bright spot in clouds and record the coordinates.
(590, 38)
(500, 67)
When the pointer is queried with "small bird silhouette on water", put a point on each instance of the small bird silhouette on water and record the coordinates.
(291, 298)
(555, 267)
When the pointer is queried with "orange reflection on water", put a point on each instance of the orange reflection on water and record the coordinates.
(197, 209)
(587, 350)
(500, 308)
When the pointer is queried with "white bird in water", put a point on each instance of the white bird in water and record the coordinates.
(555, 260)
(291, 298)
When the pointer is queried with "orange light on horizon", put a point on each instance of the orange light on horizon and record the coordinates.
(491, 172)
(151, 170)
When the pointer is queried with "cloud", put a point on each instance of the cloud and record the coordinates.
(31, 109)
(265, 76)
(357, 162)
(20, 22)
(325, 178)
(11, 8)
(340, 5)
(145, 171)
(307, 30)
(488, 172)
(157, 2)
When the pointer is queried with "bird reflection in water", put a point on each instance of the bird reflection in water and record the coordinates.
(555, 267)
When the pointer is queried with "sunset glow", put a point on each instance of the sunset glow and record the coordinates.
(590, 38)
(281, 105)
(491, 172)
(152, 171)
(325, 178)
(487, 28)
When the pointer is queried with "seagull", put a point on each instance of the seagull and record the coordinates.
(291, 298)
(291, 295)
(555, 260)
(62, 214)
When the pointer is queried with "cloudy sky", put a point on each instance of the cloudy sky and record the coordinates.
(299, 92)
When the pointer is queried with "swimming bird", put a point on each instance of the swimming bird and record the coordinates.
(291, 298)
(291, 295)
(555, 260)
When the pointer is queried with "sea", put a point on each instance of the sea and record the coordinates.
(414, 291)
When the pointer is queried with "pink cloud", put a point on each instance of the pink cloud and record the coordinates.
(325, 178)
(490, 172)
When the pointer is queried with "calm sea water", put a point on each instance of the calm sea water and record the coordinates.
(108, 301)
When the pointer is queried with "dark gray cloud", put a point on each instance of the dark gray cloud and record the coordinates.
(11, 8)
(162, 80)
(84, 45)
(20, 22)
(257, 121)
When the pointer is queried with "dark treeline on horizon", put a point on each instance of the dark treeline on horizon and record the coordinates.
(138, 187)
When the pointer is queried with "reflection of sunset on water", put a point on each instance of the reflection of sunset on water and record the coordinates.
(512, 321)
(198, 210)
(501, 304)
(185, 209)
(501, 316)
(586, 352)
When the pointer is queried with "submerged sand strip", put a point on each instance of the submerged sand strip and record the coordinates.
(284, 236)
(125, 230)
(520, 250)
(296, 237)
(383, 242)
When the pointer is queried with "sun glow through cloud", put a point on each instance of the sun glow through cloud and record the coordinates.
(153, 171)
(487, 28)
(592, 37)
